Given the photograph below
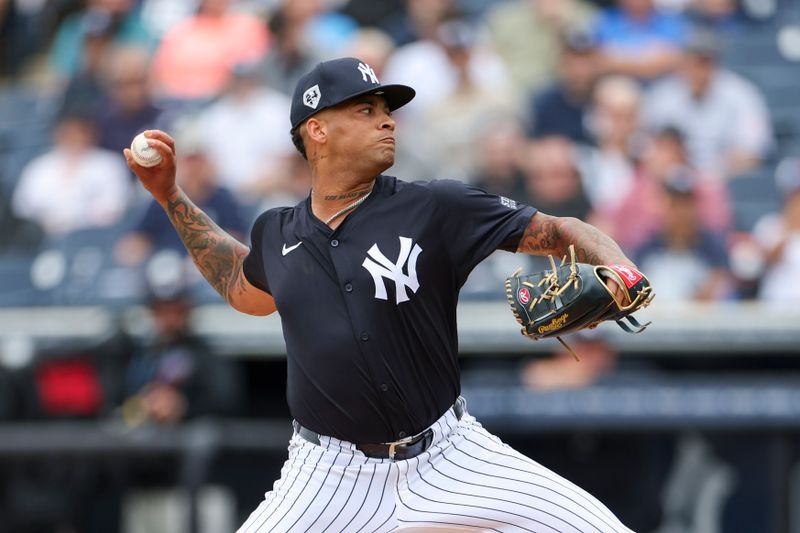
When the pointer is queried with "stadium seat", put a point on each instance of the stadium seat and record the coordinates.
(25, 130)
(747, 49)
(752, 196)
(16, 287)
(86, 257)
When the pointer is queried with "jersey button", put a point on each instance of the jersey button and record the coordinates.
(384, 387)
(402, 434)
(348, 287)
(365, 337)
(334, 243)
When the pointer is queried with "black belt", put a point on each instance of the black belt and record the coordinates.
(398, 450)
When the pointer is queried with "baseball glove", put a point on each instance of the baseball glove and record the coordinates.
(574, 296)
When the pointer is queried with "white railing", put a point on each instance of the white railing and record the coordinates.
(484, 328)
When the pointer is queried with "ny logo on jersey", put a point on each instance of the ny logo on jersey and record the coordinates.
(365, 71)
(380, 267)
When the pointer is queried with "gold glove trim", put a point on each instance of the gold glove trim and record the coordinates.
(643, 297)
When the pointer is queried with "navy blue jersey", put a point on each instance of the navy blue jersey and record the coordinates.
(369, 309)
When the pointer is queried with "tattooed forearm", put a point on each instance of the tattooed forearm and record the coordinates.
(217, 255)
(541, 237)
(591, 245)
(551, 235)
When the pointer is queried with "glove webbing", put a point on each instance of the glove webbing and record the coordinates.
(553, 290)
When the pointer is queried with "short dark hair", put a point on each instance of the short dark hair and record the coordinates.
(673, 133)
(297, 140)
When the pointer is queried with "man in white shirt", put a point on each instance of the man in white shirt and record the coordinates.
(723, 115)
(75, 185)
(251, 155)
(779, 236)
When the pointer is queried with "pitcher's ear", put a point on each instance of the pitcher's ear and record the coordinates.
(316, 130)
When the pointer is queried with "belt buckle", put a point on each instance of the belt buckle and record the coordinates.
(402, 442)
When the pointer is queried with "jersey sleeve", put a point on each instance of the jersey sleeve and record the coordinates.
(476, 223)
(253, 267)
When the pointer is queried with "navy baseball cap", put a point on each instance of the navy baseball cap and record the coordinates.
(332, 82)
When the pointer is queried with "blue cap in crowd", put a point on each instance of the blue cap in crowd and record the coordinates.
(332, 82)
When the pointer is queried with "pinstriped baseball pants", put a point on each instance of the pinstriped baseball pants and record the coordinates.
(468, 480)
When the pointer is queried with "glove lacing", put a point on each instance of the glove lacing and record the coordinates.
(553, 290)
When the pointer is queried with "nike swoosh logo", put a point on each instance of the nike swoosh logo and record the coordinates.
(288, 249)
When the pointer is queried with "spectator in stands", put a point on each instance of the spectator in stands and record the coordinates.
(722, 16)
(552, 178)
(371, 14)
(84, 91)
(374, 47)
(686, 261)
(246, 135)
(637, 39)
(194, 60)
(498, 152)
(447, 132)
(120, 22)
(419, 21)
(562, 108)
(614, 124)
(326, 32)
(289, 55)
(174, 375)
(665, 156)
(22, 34)
(527, 35)
(153, 231)
(723, 115)
(779, 236)
(76, 185)
(438, 68)
(129, 108)
(436, 76)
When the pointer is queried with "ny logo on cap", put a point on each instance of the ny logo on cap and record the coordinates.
(365, 71)
(311, 97)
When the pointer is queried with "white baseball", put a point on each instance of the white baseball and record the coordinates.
(143, 153)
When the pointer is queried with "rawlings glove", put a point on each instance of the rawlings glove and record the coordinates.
(574, 296)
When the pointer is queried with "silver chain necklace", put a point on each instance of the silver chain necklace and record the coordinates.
(348, 208)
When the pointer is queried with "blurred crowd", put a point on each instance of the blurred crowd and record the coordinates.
(647, 118)
(623, 113)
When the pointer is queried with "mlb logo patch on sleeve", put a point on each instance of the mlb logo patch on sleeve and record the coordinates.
(508, 202)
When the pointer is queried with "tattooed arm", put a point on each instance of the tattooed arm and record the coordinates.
(547, 234)
(218, 256)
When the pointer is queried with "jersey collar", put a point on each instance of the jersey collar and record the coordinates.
(312, 223)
